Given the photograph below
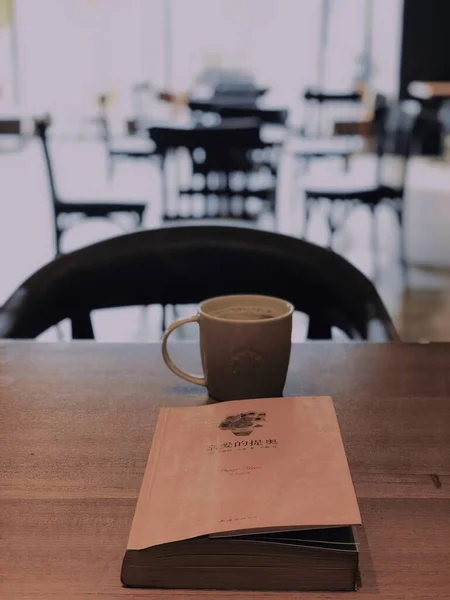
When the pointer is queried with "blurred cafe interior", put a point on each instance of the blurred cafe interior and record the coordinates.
(326, 121)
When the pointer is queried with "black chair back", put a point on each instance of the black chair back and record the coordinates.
(223, 171)
(185, 265)
(63, 209)
(273, 116)
(394, 128)
(324, 108)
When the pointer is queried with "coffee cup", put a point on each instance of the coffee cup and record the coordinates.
(245, 346)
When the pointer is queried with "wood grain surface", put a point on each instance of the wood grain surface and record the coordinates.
(76, 424)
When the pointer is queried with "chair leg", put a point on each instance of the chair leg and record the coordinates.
(318, 330)
(164, 321)
(140, 218)
(176, 316)
(109, 167)
(58, 235)
(346, 163)
(402, 245)
(164, 193)
(164, 318)
(331, 225)
(82, 327)
(338, 212)
(402, 249)
(374, 241)
(307, 217)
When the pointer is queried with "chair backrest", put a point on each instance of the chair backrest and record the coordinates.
(322, 97)
(324, 108)
(228, 83)
(185, 265)
(394, 125)
(222, 169)
(237, 110)
(236, 133)
(274, 116)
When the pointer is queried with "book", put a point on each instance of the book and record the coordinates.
(246, 495)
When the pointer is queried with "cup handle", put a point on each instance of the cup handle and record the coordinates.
(172, 366)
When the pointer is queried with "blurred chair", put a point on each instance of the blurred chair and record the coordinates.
(132, 147)
(323, 109)
(237, 110)
(229, 92)
(63, 209)
(184, 265)
(322, 112)
(227, 84)
(393, 129)
(229, 168)
(145, 95)
(269, 116)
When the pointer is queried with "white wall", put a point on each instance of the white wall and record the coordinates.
(72, 50)
(275, 39)
(387, 37)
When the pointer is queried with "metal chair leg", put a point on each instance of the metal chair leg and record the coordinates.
(331, 225)
(402, 246)
(164, 318)
(58, 235)
(374, 242)
(402, 249)
(109, 168)
(307, 217)
(374, 239)
(176, 315)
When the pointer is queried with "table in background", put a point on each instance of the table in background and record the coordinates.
(76, 423)
(424, 90)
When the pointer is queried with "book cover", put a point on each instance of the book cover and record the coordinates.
(247, 466)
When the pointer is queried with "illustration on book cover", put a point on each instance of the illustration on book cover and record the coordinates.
(243, 423)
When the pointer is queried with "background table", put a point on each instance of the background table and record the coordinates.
(76, 424)
(423, 90)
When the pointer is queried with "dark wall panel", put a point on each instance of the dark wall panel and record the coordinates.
(425, 42)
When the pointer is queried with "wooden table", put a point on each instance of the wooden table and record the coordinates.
(76, 424)
(424, 90)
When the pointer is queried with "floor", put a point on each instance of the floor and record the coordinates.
(420, 306)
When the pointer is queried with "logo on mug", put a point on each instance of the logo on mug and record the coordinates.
(246, 362)
(243, 423)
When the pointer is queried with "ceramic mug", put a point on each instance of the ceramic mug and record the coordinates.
(245, 345)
